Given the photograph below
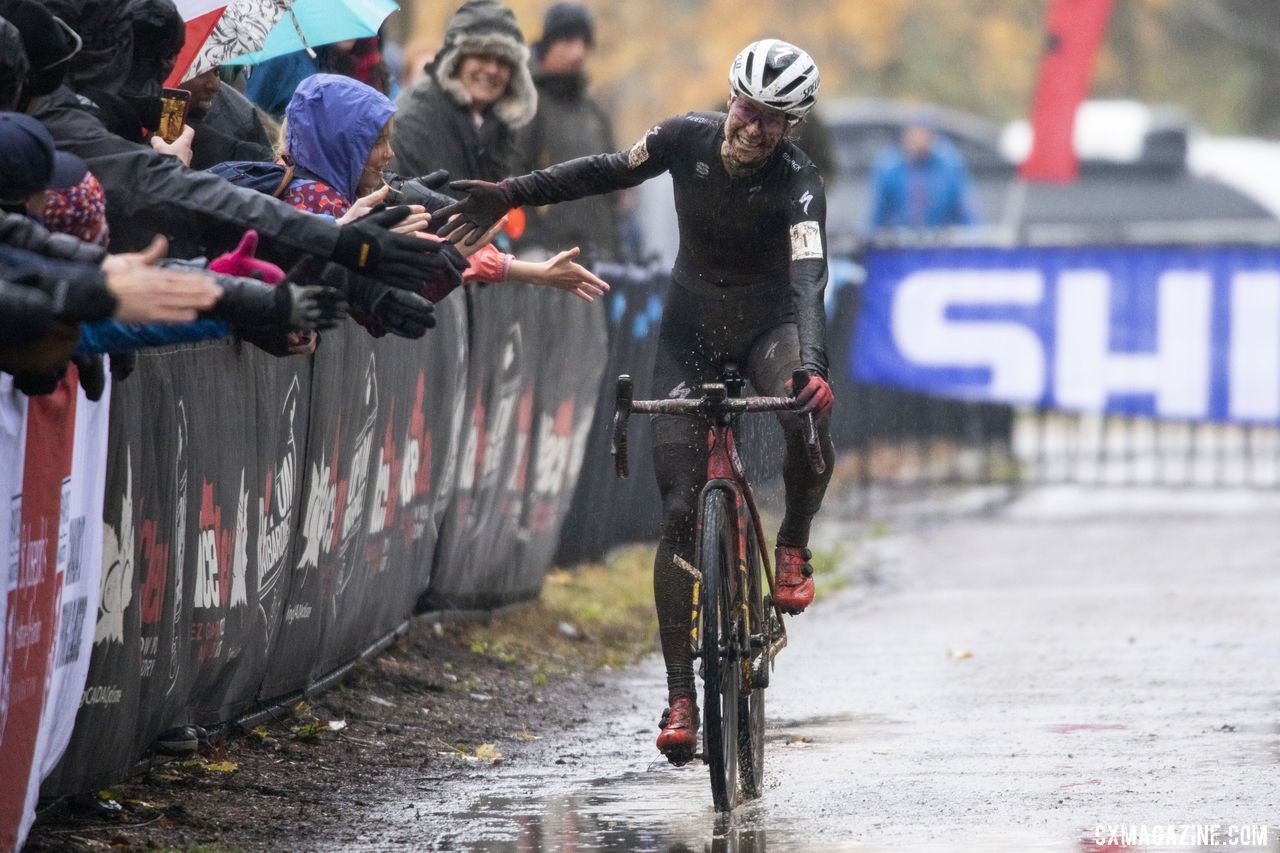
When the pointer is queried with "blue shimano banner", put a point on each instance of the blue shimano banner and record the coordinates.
(1179, 333)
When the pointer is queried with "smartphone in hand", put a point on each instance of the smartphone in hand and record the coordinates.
(173, 113)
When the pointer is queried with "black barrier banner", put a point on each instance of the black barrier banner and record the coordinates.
(530, 403)
(266, 520)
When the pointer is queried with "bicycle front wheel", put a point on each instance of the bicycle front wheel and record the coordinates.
(721, 674)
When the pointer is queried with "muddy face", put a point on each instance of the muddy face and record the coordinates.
(751, 133)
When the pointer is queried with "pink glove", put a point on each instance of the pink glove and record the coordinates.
(242, 262)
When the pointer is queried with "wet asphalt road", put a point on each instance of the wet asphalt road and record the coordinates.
(1002, 682)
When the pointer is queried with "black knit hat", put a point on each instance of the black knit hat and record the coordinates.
(567, 21)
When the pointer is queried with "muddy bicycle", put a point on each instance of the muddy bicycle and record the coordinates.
(737, 630)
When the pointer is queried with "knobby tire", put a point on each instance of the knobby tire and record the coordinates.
(717, 547)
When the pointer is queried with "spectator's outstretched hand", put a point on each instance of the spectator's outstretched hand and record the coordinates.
(365, 205)
(416, 222)
(243, 262)
(146, 293)
(469, 249)
(563, 273)
(469, 218)
(398, 260)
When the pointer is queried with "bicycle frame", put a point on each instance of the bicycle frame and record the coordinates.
(725, 473)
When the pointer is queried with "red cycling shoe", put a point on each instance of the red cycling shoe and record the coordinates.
(794, 590)
(679, 738)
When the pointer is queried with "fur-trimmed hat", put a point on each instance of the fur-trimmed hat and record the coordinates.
(486, 26)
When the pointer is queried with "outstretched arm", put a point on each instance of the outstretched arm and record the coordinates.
(563, 273)
(485, 203)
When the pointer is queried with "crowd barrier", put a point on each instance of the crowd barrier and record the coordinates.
(267, 520)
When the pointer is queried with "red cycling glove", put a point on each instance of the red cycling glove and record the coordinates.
(816, 396)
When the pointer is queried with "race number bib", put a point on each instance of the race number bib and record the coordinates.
(806, 241)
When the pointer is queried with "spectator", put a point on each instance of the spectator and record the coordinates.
(70, 281)
(463, 116)
(149, 192)
(921, 184)
(258, 312)
(227, 125)
(568, 124)
(272, 83)
(337, 134)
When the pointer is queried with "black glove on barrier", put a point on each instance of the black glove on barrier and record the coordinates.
(485, 203)
(399, 260)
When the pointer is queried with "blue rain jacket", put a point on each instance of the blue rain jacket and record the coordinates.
(333, 122)
(931, 193)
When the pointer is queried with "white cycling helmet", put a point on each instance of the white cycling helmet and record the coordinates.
(777, 74)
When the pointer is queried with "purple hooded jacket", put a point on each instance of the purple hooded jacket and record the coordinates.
(333, 122)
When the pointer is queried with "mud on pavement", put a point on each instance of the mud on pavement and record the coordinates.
(447, 703)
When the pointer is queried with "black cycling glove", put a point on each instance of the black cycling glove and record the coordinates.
(399, 260)
(483, 206)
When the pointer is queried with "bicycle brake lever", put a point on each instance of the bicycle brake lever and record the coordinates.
(799, 379)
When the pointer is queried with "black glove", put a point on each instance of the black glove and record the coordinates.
(399, 260)
(93, 376)
(402, 313)
(37, 385)
(315, 306)
(122, 365)
(484, 205)
(250, 303)
(247, 303)
(418, 190)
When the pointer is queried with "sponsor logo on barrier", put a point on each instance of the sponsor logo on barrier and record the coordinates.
(415, 467)
(179, 545)
(117, 568)
(275, 512)
(222, 561)
(485, 452)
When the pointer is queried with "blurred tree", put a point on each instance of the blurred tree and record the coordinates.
(1218, 59)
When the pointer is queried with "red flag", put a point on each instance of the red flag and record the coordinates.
(1075, 30)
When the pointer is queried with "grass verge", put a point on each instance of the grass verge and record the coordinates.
(598, 614)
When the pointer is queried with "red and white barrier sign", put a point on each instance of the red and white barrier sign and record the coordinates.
(53, 453)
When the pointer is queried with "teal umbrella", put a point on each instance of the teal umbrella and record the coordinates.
(312, 23)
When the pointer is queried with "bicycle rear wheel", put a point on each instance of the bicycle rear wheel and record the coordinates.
(751, 703)
(721, 673)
